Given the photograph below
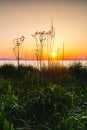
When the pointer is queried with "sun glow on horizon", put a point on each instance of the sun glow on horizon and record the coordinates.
(54, 54)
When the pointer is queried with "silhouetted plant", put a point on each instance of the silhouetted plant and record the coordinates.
(17, 46)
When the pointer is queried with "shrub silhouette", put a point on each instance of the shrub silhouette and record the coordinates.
(7, 71)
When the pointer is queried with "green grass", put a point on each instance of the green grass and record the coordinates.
(53, 98)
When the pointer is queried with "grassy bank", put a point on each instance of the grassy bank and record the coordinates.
(53, 98)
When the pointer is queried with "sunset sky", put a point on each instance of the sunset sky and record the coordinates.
(25, 17)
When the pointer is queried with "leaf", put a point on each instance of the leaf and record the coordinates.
(6, 125)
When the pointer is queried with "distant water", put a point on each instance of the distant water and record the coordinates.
(45, 62)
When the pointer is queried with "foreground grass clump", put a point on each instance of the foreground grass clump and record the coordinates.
(53, 98)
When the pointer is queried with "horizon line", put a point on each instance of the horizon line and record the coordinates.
(43, 59)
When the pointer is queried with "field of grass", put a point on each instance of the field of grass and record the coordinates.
(53, 98)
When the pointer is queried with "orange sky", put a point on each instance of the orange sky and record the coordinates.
(25, 17)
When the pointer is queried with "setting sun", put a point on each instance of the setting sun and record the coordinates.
(54, 54)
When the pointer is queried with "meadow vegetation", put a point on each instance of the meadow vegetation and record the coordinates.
(53, 98)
